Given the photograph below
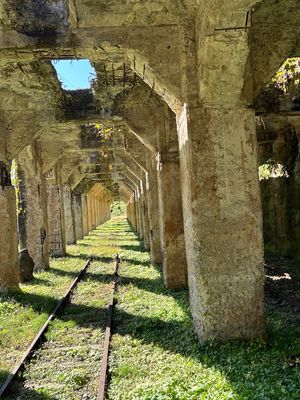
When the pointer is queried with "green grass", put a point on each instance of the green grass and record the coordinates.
(154, 352)
(156, 356)
(23, 313)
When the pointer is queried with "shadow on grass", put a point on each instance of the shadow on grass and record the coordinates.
(262, 364)
(139, 248)
(19, 392)
(39, 281)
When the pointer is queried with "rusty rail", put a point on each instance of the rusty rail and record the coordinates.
(36, 341)
(108, 333)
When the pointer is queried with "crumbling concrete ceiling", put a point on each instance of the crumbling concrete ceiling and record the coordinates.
(140, 109)
(30, 28)
(89, 13)
(30, 97)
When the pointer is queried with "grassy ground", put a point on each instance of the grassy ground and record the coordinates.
(154, 352)
(23, 313)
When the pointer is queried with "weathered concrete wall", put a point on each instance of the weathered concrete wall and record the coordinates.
(9, 260)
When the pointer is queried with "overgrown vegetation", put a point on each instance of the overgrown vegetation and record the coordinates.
(155, 354)
(23, 313)
(118, 208)
(272, 169)
(287, 78)
(282, 89)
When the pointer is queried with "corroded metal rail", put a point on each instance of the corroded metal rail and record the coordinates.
(37, 340)
(108, 333)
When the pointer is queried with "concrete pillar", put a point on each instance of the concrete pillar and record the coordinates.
(9, 260)
(77, 215)
(172, 237)
(145, 215)
(69, 221)
(85, 228)
(136, 187)
(108, 208)
(90, 212)
(56, 217)
(171, 221)
(153, 210)
(140, 182)
(97, 211)
(138, 215)
(32, 204)
(221, 196)
(131, 211)
(94, 212)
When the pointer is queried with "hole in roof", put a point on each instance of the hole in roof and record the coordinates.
(74, 74)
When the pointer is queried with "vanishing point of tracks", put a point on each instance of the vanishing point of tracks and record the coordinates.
(40, 337)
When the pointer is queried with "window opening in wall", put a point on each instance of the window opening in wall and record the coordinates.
(74, 74)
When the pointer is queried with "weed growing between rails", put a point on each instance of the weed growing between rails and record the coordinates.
(67, 365)
(155, 355)
(23, 313)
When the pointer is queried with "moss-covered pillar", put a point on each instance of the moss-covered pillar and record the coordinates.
(153, 210)
(9, 260)
(221, 196)
(56, 217)
(32, 206)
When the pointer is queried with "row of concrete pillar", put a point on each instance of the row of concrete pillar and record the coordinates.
(197, 207)
(154, 209)
(48, 216)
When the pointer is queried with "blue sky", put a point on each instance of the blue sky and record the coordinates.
(74, 74)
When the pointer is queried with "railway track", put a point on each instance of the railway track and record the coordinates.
(40, 347)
